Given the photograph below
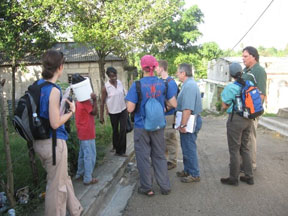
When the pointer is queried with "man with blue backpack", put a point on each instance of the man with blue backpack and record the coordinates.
(239, 129)
(149, 124)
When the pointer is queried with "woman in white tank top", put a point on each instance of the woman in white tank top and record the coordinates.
(113, 94)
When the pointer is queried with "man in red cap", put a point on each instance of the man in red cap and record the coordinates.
(150, 145)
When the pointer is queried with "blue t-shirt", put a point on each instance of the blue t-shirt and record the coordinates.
(150, 87)
(173, 88)
(189, 97)
(228, 95)
(61, 133)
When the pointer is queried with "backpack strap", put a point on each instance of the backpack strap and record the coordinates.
(54, 144)
(138, 91)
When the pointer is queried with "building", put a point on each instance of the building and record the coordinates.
(78, 59)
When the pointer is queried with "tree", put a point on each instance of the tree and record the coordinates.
(116, 26)
(26, 31)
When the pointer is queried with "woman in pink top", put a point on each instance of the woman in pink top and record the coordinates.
(113, 94)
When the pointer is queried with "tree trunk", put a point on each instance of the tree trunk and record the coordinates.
(9, 188)
(13, 84)
(33, 166)
(102, 70)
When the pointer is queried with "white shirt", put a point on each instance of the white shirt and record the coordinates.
(115, 99)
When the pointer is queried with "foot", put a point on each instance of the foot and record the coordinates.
(148, 193)
(190, 179)
(165, 192)
(121, 155)
(93, 181)
(182, 174)
(247, 179)
(171, 165)
(78, 178)
(229, 181)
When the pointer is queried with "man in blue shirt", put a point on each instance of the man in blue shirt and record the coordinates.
(189, 103)
(171, 137)
(150, 145)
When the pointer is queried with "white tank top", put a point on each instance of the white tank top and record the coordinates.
(115, 99)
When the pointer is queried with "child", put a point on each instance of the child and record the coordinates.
(84, 115)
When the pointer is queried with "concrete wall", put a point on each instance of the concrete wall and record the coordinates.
(218, 70)
(31, 73)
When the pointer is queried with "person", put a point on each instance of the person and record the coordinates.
(189, 103)
(171, 137)
(150, 145)
(238, 131)
(113, 94)
(59, 190)
(257, 75)
(85, 124)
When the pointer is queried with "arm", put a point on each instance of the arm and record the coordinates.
(130, 106)
(185, 117)
(225, 106)
(171, 103)
(56, 120)
(103, 99)
(94, 100)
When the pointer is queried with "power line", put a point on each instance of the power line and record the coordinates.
(253, 25)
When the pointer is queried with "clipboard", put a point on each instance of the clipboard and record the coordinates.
(191, 124)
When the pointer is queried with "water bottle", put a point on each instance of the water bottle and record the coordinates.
(11, 212)
(239, 105)
(36, 120)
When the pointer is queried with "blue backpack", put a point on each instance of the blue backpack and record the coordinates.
(154, 112)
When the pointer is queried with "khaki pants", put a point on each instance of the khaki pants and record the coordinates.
(59, 189)
(171, 139)
(254, 142)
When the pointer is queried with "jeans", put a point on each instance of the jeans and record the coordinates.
(86, 159)
(189, 150)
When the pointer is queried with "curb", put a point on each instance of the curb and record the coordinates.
(273, 124)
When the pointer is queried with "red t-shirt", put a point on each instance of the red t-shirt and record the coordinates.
(85, 123)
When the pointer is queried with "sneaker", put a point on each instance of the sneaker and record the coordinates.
(247, 179)
(229, 181)
(189, 179)
(182, 174)
(170, 165)
(165, 192)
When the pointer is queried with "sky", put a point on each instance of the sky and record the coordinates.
(227, 21)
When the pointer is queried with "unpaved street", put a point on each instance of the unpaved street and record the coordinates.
(267, 197)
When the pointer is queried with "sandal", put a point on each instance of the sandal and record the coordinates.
(93, 181)
(148, 193)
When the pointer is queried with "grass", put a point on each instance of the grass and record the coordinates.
(21, 165)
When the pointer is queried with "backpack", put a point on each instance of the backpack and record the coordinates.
(27, 121)
(249, 104)
(154, 112)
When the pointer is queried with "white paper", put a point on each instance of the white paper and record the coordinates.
(190, 128)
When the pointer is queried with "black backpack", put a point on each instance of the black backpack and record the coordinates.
(27, 121)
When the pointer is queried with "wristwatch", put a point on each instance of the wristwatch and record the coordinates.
(183, 126)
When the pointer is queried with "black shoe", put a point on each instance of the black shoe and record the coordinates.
(229, 181)
(165, 192)
(247, 179)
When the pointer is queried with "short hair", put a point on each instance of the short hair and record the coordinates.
(110, 70)
(163, 64)
(252, 51)
(51, 61)
(187, 68)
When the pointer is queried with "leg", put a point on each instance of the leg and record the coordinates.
(245, 149)
(59, 191)
(89, 159)
(171, 145)
(142, 153)
(254, 142)
(80, 168)
(114, 118)
(158, 159)
(122, 135)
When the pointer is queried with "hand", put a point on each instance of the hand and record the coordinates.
(71, 105)
(182, 130)
(93, 96)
